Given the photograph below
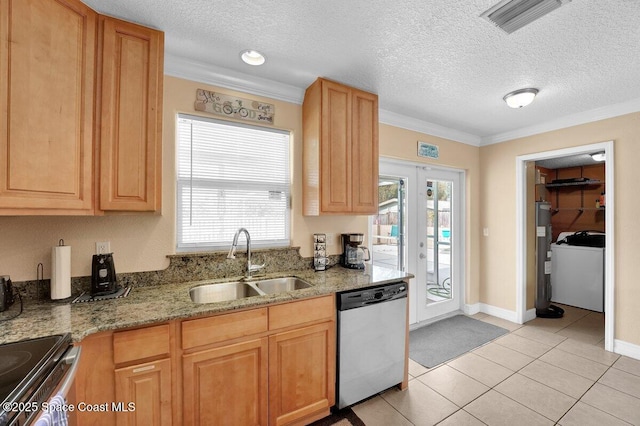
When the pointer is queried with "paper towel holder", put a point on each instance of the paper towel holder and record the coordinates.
(60, 271)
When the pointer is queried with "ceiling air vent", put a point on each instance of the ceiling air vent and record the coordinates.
(511, 15)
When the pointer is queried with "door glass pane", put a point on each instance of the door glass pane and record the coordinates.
(439, 195)
(388, 225)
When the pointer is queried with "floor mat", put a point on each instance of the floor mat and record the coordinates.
(446, 339)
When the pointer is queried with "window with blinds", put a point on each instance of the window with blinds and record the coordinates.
(231, 176)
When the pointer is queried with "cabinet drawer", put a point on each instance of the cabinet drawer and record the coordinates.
(142, 343)
(304, 311)
(216, 329)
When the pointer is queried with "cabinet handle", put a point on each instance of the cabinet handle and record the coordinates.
(145, 368)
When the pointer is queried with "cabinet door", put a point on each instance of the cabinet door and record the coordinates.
(226, 385)
(130, 119)
(335, 149)
(301, 373)
(364, 151)
(147, 387)
(47, 50)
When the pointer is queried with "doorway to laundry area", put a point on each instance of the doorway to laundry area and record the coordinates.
(523, 197)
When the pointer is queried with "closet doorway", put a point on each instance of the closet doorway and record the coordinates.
(524, 197)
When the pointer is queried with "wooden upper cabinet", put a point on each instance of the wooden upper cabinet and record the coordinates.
(47, 51)
(364, 149)
(340, 156)
(130, 116)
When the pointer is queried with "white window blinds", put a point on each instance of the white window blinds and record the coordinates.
(230, 176)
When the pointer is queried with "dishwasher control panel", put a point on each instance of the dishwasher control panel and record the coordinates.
(363, 297)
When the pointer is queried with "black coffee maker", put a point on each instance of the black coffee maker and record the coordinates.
(353, 254)
(103, 275)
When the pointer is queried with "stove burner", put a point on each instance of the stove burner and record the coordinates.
(12, 361)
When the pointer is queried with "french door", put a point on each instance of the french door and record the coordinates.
(419, 229)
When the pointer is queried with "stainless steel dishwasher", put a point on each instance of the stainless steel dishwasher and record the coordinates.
(371, 341)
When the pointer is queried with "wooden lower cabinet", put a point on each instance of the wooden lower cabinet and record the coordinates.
(283, 374)
(273, 365)
(144, 390)
(226, 385)
(301, 373)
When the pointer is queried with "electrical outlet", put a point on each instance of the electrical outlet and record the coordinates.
(331, 240)
(103, 247)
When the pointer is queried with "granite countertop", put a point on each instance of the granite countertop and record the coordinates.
(157, 303)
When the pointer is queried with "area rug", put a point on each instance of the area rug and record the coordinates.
(444, 340)
(344, 417)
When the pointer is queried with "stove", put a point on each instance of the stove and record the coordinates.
(30, 371)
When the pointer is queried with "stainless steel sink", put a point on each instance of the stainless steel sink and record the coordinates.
(210, 293)
(281, 285)
(234, 290)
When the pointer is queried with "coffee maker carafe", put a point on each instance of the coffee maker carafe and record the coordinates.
(353, 254)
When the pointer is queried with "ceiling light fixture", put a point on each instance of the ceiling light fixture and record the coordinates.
(511, 15)
(520, 98)
(599, 156)
(252, 57)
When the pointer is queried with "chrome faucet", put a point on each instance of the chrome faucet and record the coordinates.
(232, 252)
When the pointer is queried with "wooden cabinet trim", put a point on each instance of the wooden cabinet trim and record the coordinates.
(142, 343)
(301, 312)
(95, 380)
(220, 328)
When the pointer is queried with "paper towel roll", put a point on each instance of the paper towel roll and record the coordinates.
(60, 272)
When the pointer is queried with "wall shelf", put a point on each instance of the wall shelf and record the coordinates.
(578, 209)
(566, 184)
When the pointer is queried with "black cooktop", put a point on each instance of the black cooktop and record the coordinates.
(23, 364)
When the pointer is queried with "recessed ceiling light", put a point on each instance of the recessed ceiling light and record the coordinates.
(252, 57)
(599, 156)
(520, 98)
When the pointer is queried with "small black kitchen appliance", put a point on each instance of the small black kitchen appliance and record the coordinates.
(103, 275)
(353, 254)
(6, 293)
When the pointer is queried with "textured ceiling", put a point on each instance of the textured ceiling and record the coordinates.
(435, 61)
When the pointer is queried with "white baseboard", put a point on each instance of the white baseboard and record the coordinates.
(471, 309)
(499, 312)
(627, 349)
(530, 315)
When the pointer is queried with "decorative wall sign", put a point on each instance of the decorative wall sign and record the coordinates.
(428, 150)
(230, 106)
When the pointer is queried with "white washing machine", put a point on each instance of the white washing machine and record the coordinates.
(577, 276)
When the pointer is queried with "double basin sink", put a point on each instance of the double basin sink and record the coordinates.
(234, 290)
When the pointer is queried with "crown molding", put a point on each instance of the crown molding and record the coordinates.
(177, 66)
(571, 120)
(188, 69)
(415, 124)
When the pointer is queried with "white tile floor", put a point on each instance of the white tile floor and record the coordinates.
(546, 372)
